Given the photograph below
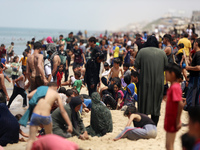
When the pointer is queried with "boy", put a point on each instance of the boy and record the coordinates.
(78, 83)
(134, 79)
(126, 69)
(115, 69)
(174, 105)
(41, 112)
(104, 75)
(79, 57)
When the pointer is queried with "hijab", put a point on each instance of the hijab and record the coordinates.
(75, 101)
(49, 39)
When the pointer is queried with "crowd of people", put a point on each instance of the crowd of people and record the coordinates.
(118, 72)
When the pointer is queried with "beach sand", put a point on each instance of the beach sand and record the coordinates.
(106, 142)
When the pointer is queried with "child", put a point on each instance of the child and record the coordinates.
(115, 70)
(78, 83)
(187, 141)
(23, 60)
(18, 117)
(118, 96)
(134, 79)
(79, 57)
(15, 69)
(104, 75)
(130, 96)
(59, 75)
(174, 105)
(19, 88)
(4, 68)
(127, 72)
(144, 127)
(44, 97)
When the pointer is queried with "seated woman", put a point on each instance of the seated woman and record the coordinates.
(144, 127)
(9, 127)
(101, 119)
(60, 126)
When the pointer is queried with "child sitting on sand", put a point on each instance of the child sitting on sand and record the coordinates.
(18, 117)
(144, 127)
(174, 105)
(41, 112)
(115, 70)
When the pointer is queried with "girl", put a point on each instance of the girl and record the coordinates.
(59, 75)
(130, 96)
(118, 95)
(23, 60)
(15, 69)
(144, 127)
(19, 88)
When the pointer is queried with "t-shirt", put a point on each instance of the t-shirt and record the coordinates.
(3, 60)
(116, 52)
(10, 48)
(174, 95)
(47, 69)
(14, 68)
(23, 61)
(78, 84)
(78, 56)
(83, 48)
(63, 56)
(187, 45)
(195, 62)
(71, 40)
(3, 51)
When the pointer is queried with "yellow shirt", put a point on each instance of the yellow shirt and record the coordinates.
(187, 45)
(116, 52)
(23, 61)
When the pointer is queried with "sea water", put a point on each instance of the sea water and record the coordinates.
(20, 36)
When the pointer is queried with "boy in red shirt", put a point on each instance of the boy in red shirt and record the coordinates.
(174, 105)
(59, 75)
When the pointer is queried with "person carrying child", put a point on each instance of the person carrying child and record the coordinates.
(23, 60)
(174, 105)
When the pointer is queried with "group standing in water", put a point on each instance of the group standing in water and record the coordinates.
(146, 67)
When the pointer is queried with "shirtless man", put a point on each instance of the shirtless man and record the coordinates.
(3, 91)
(41, 113)
(114, 72)
(55, 61)
(35, 68)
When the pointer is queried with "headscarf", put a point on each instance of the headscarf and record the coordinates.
(49, 39)
(75, 101)
(101, 119)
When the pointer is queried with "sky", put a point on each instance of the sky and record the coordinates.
(88, 14)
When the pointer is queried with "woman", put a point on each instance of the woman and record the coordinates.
(144, 127)
(151, 61)
(9, 127)
(60, 126)
(101, 119)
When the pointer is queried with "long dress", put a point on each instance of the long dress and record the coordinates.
(9, 126)
(151, 61)
(101, 119)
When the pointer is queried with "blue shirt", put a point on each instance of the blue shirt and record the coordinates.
(3, 60)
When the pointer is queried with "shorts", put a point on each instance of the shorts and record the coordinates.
(23, 68)
(37, 120)
(14, 77)
(36, 82)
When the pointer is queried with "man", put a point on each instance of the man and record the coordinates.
(92, 72)
(2, 50)
(9, 50)
(93, 47)
(81, 46)
(63, 58)
(55, 60)
(3, 92)
(61, 40)
(187, 44)
(138, 42)
(71, 41)
(104, 38)
(168, 49)
(151, 61)
(104, 49)
(194, 81)
(35, 68)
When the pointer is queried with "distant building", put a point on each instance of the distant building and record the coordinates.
(195, 16)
